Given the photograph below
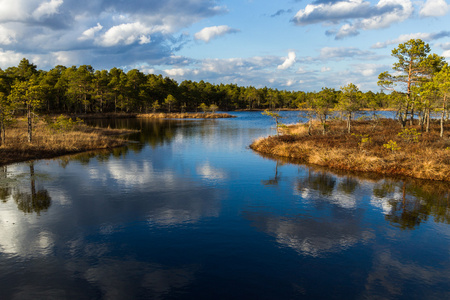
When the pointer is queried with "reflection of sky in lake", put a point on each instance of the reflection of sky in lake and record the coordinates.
(193, 213)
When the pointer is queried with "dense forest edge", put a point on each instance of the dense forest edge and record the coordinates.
(415, 144)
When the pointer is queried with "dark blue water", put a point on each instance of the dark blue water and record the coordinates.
(188, 211)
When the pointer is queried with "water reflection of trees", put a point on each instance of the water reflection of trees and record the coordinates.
(407, 204)
(152, 132)
(5, 188)
(322, 182)
(34, 201)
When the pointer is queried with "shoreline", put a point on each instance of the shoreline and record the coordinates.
(52, 145)
(428, 159)
(48, 145)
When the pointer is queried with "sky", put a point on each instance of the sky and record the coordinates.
(297, 45)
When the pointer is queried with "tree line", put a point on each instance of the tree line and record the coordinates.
(419, 86)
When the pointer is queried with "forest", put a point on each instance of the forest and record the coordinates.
(418, 87)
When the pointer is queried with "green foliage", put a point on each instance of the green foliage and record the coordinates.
(391, 145)
(364, 140)
(350, 102)
(63, 123)
(155, 106)
(213, 108)
(276, 117)
(409, 135)
(204, 107)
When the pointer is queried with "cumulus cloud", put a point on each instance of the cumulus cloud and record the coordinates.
(446, 54)
(355, 14)
(102, 32)
(434, 8)
(7, 36)
(89, 34)
(126, 34)
(406, 37)
(209, 33)
(47, 8)
(288, 62)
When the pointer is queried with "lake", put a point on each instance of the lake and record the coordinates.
(188, 211)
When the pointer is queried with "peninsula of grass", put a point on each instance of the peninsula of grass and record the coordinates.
(50, 143)
(382, 147)
(185, 115)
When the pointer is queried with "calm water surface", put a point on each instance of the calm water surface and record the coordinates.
(188, 211)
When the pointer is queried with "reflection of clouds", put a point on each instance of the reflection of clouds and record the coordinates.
(393, 276)
(337, 198)
(122, 279)
(189, 209)
(381, 203)
(130, 173)
(341, 192)
(209, 172)
(19, 236)
(309, 236)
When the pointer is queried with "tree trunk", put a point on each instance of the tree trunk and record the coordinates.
(428, 120)
(442, 116)
(1, 133)
(349, 123)
(30, 128)
(411, 120)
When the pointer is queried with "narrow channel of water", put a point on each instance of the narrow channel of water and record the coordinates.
(188, 211)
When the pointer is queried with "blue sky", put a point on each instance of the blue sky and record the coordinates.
(285, 44)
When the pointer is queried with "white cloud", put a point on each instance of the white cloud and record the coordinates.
(446, 54)
(47, 9)
(126, 34)
(209, 33)
(176, 72)
(406, 37)
(290, 82)
(325, 69)
(9, 58)
(356, 14)
(434, 8)
(7, 36)
(289, 61)
(90, 33)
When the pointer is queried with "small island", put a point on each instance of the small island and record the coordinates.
(378, 146)
(415, 144)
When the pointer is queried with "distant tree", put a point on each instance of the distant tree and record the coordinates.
(276, 117)
(6, 115)
(203, 107)
(155, 106)
(213, 108)
(30, 95)
(350, 102)
(412, 68)
(322, 104)
(169, 101)
(442, 81)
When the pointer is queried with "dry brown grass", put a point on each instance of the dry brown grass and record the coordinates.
(185, 115)
(48, 144)
(429, 158)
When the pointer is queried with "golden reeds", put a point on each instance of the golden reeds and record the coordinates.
(48, 143)
(185, 115)
(427, 158)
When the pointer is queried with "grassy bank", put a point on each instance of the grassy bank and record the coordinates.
(187, 115)
(48, 143)
(371, 148)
